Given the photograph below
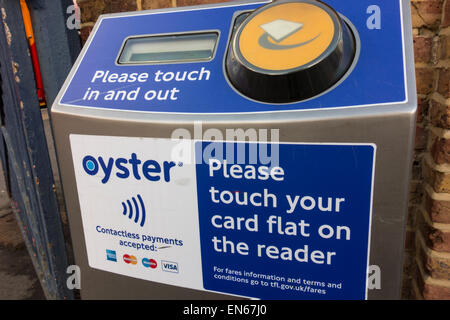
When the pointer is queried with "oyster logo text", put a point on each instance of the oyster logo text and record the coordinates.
(132, 166)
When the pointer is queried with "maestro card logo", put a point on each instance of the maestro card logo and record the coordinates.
(149, 263)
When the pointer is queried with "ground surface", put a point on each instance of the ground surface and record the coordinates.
(18, 280)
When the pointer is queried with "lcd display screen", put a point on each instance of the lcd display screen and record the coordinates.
(169, 48)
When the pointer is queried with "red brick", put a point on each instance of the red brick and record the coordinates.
(439, 181)
(156, 4)
(443, 85)
(424, 80)
(446, 18)
(444, 47)
(435, 239)
(438, 210)
(440, 151)
(440, 241)
(422, 109)
(439, 114)
(182, 3)
(422, 49)
(434, 292)
(121, 5)
(426, 13)
(84, 33)
(420, 138)
(91, 9)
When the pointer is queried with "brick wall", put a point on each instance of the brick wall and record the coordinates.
(427, 259)
(427, 247)
(91, 9)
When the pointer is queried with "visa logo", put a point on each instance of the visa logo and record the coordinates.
(169, 266)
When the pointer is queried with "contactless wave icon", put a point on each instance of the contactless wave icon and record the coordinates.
(133, 209)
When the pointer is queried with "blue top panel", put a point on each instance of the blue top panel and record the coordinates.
(378, 78)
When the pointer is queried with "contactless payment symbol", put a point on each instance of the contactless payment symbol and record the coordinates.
(135, 211)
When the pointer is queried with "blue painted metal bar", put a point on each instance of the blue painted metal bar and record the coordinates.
(3, 152)
(31, 178)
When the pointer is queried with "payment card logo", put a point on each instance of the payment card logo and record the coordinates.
(111, 255)
(169, 266)
(129, 259)
(149, 263)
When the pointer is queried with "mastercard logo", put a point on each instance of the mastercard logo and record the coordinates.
(287, 35)
(129, 259)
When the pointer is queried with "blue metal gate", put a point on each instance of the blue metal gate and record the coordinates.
(23, 147)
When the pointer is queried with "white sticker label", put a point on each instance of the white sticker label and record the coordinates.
(139, 209)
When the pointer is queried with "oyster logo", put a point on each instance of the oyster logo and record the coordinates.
(132, 166)
(278, 30)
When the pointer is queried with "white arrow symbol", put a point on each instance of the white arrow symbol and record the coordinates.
(280, 29)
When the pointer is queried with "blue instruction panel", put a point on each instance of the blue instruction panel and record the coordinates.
(297, 229)
(101, 81)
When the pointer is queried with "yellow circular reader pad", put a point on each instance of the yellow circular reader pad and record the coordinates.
(286, 36)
